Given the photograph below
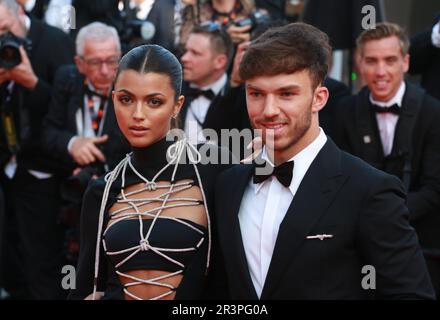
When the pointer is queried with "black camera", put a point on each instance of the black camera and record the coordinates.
(133, 31)
(10, 50)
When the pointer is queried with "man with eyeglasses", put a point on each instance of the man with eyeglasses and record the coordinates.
(80, 118)
(32, 267)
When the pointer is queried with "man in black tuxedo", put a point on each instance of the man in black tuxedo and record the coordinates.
(27, 171)
(322, 218)
(394, 126)
(208, 52)
(425, 58)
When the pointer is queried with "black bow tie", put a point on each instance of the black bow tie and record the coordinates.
(196, 92)
(395, 109)
(283, 173)
(92, 93)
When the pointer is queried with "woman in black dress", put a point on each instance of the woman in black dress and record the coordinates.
(145, 227)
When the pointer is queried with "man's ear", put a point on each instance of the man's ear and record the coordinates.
(221, 61)
(406, 62)
(79, 64)
(320, 98)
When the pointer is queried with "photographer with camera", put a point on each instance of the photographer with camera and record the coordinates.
(81, 127)
(30, 53)
(237, 17)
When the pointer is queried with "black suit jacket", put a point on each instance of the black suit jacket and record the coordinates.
(60, 124)
(363, 208)
(425, 60)
(162, 16)
(356, 120)
(51, 48)
(340, 19)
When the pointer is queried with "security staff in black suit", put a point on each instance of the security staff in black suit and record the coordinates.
(393, 125)
(425, 58)
(27, 172)
(311, 220)
(208, 52)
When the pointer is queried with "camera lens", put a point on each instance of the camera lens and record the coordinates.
(9, 54)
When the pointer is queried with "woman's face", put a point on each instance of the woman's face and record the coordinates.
(144, 105)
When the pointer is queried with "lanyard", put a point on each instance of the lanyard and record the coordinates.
(96, 117)
(8, 120)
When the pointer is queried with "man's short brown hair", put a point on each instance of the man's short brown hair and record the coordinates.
(288, 49)
(219, 39)
(384, 30)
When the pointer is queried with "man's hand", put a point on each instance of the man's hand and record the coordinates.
(84, 150)
(23, 74)
(239, 34)
(4, 75)
(235, 77)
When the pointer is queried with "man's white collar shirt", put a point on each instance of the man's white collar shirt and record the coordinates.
(198, 109)
(387, 122)
(263, 209)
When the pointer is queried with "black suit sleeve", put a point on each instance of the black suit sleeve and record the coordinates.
(390, 244)
(425, 199)
(343, 111)
(61, 53)
(422, 53)
(56, 137)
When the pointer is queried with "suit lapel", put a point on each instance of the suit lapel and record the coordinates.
(235, 241)
(371, 149)
(411, 105)
(316, 192)
(215, 103)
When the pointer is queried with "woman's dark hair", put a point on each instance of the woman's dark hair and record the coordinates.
(153, 58)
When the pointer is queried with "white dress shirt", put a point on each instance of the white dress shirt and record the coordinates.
(263, 208)
(56, 14)
(387, 122)
(435, 35)
(199, 107)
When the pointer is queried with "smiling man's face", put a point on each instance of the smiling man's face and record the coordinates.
(383, 67)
